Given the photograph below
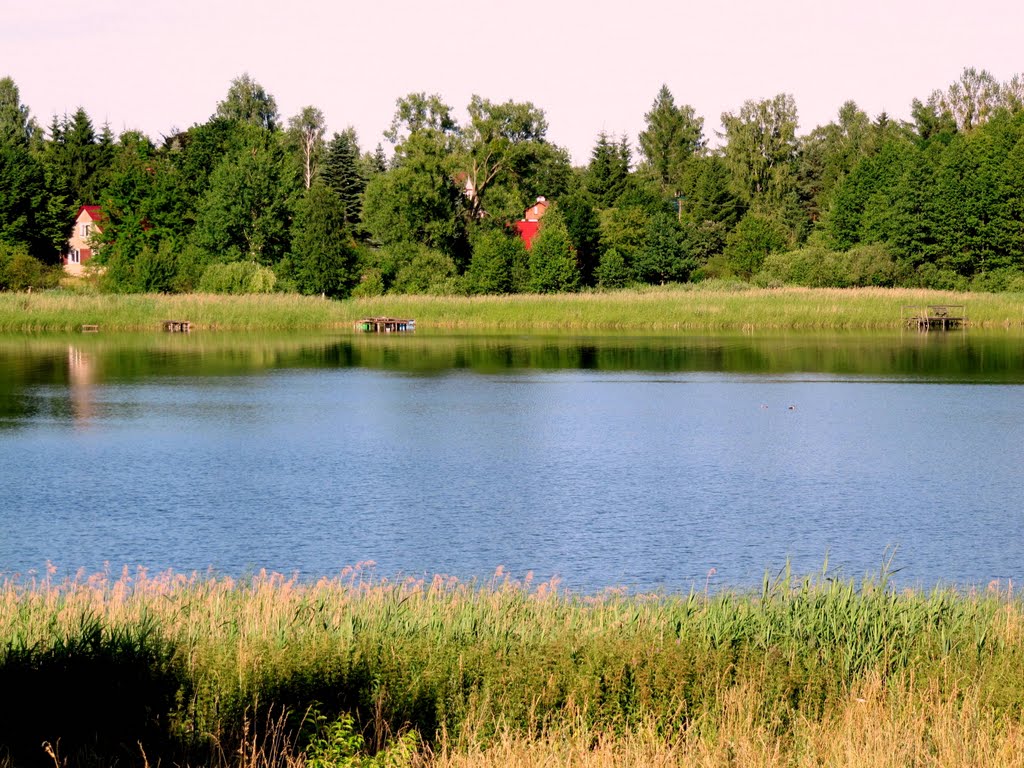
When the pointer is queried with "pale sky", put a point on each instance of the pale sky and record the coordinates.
(591, 66)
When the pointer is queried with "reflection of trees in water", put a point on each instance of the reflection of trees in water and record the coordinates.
(22, 369)
(85, 364)
(955, 356)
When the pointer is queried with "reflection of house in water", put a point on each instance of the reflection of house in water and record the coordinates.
(81, 381)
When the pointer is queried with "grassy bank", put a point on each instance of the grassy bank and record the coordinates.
(268, 671)
(670, 308)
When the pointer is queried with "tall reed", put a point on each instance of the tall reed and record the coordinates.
(667, 308)
(471, 667)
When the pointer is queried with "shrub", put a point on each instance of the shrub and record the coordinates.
(491, 266)
(429, 272)
(869, 265)
(817, 267)
(155, 270)
(612, 271)
(338, 744)
(717, 267)
(938, 278)
(19, 271)
(1005, 280)
(191, 265)
(754, 238)
(806, 266)
(371, 283)
(237, 277)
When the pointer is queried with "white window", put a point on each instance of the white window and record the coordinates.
(85, 229)
(73, 256)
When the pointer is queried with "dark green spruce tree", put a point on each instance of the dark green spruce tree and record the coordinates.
(553, 265)
(608, 172)
(323, 258)
(342, 172)
(673, 136)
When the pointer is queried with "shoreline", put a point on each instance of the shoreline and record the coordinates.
(673, 308)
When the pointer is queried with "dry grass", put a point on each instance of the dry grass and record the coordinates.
(877, 726)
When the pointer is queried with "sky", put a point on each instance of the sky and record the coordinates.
(591, 66)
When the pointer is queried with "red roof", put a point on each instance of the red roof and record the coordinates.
(93, 210)
(527, 231)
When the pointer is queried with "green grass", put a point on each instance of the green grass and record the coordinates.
(698, 307)
(462, 664)
(707, 306)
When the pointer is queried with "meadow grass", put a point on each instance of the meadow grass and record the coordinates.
(509, 672)
(705, 306)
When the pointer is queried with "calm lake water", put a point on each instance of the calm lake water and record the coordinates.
(644, 461)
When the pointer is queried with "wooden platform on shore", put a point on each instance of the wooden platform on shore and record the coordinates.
(385, 325)
(936, 317)
(177, 326)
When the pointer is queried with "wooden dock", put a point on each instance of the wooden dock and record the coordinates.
(935, 317)
(385, 325)
(90, 328)
(177, 326)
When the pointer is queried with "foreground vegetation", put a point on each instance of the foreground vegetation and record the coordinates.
(707, 306)
(272, 671)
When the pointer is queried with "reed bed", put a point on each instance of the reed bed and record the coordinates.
(705, 306)
(800, 672)
(66, 311)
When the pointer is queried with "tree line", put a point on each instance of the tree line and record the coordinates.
(249, 202)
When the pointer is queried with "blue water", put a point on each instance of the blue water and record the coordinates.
(651, 480)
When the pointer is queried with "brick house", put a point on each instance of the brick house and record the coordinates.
(80, 244)
(530, 223)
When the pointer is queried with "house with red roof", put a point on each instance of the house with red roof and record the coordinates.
(80, 244)
(530, 223)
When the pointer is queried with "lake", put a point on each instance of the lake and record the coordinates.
(643, 461)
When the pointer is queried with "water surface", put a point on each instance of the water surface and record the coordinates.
(644, 461)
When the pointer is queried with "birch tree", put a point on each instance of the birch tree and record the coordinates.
(306, 131)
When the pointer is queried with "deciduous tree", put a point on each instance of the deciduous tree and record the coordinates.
(971, 100)
(244, 214)
(499, 146)
(248, 102)
(306, 134)
(761, 148)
